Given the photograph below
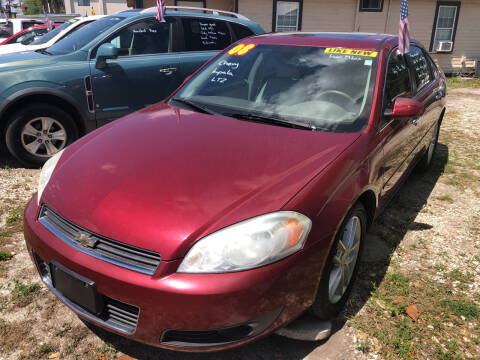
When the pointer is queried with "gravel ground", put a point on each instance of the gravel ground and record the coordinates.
(432, 228)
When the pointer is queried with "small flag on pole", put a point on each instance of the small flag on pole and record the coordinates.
(404, 29)
(47, 20)
(161, 9)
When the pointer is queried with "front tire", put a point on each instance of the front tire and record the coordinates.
(341, 267)
(37, 132)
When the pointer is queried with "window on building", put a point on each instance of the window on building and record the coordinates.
(371, 5)
(287, 15)
(445, 25)
(83, 2)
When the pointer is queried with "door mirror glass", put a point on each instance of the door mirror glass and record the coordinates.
(405, 107)
(104, 52)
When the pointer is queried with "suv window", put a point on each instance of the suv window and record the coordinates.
(241, 31)
(420, 68)
(205, 34)
(398, 79)
(27, 24)
(143, 37)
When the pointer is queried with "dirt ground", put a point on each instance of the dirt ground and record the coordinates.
(417, 295)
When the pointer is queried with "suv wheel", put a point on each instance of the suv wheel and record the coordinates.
(37, 132)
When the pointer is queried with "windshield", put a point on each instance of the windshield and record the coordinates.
(51, 34)
(83, 36)
(320, 88)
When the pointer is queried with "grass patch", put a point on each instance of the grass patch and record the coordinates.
(5, 256)
(439, 332)
(15, 216)
(24, 294)
(446, 198)
(456, 82)
(460, 308)
(40, 352)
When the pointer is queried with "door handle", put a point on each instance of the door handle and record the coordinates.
(414, 121)
(168, 71)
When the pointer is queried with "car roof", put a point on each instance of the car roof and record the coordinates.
(142, 13)
(364, 41)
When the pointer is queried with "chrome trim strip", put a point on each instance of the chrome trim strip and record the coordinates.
(82, 312)
(65, 239)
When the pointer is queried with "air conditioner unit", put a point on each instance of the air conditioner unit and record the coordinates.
(445, 46)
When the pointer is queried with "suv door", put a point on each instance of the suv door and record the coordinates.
(202, 39)
(143, 74)
(396, 133)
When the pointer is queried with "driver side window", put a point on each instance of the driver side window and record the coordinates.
(398, 79)
(143, 38)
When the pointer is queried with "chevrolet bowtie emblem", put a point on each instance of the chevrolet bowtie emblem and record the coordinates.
(85, 240)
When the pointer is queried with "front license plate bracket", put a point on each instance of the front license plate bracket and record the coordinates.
(76, 288)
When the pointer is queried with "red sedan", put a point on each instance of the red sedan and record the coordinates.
(28, 35)
(223, 213)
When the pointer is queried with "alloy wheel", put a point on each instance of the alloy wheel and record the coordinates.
(43, 136)
(345, 259)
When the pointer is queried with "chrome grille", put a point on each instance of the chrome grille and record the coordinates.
(109, 250)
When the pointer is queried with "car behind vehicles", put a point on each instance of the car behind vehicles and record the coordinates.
(224, 213)
(114, 66)
(28, 35)
(57, 34)
(14, 26)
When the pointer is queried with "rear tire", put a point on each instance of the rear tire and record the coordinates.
(426, 161)
(332, 294)
(37, 132)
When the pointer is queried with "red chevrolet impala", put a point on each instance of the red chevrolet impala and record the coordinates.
(222, 214)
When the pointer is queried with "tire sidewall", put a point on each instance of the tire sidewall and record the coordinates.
(21, 118)
(322, 307)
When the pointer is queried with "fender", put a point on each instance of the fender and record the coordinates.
(13, 98)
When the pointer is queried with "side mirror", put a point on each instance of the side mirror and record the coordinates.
(405, 107)
(104, 52)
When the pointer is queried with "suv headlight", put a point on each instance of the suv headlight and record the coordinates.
(248, 244)
(46, 173)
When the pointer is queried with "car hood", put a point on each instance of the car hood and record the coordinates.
(19, 60)
(162, 178)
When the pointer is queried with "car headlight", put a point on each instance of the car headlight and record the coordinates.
(46, 173)
(249, 244)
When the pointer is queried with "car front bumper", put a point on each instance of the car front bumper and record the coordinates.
(187, 312)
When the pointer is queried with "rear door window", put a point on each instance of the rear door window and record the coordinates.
(205, 34)
(419, 65)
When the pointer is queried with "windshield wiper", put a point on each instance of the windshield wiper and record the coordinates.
(272, 120)
(195, 106)
(44, 52)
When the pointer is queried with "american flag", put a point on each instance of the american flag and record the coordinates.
(47, 20)
(404, 29)
(161, 8)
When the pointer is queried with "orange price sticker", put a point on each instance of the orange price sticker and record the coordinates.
(241, 49)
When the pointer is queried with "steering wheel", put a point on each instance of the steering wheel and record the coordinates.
(338, 93)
